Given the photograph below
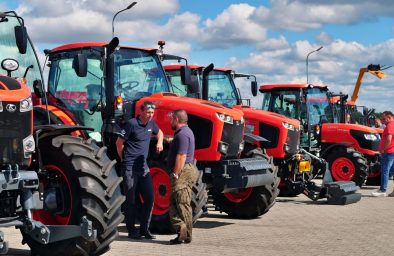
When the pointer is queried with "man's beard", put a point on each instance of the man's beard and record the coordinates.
(173, 127)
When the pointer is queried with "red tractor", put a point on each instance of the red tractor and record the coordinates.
(59, 189)
(123, 78)
(281, 134)
(350, 149)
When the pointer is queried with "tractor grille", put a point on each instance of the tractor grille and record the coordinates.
(232, 135)
(292, 141)
(14, 127)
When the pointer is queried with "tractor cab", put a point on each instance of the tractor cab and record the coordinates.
(137, 73)
(309, 104)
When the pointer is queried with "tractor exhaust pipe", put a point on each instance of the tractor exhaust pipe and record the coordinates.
(205, 81)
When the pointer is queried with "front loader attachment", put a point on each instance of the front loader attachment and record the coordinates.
(336, 192)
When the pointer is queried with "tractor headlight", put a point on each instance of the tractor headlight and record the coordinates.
(10, 64)
(241, 147)
(28, 146)
(225, 118)
(26, 104)
(223, 147)
(371, 137)
(242, 120)
(1, 106)
(288, 126)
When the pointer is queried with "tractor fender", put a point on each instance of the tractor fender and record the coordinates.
(53, 130)
(327, 149)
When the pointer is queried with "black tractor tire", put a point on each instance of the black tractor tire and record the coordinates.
(339, 161)
(160, 223)
(94, 188)
(259, 200)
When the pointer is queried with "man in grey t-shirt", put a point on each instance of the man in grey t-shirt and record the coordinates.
(183, 176)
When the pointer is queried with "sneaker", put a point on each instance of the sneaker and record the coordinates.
(391, 194)
(379, 194)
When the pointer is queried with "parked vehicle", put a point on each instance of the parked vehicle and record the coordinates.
(60, 190)
(282, 132)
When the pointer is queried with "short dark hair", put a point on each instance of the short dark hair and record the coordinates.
(148, 104)
(388, 113)
(181, 115)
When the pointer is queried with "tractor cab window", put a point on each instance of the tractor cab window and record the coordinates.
(8, 49)
(84, 97)
(318, 106)
(176, 83)
(138, 73)
(286, 103)
(221, 88)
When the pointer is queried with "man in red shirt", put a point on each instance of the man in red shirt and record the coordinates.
(387, 151)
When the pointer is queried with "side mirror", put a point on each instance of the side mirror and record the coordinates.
(21, 38)
(253, 87)
(80, 65)
(38, 89)
(186, 75)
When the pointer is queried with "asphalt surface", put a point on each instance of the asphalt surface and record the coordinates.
(293, 226)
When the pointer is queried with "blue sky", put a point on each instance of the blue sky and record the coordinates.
(267, 38)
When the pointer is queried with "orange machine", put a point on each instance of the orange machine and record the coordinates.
(61, 191)
(125, 77)
(350, 149)
(282, 134)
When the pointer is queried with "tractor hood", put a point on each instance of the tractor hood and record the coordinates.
(12, 90)
(266, 116)
(192, 106)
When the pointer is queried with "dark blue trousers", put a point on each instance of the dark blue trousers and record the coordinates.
(136, 185)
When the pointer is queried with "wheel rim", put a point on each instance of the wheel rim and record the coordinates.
(162, 190)
(239, 197)
(343, 169)
(47, 217)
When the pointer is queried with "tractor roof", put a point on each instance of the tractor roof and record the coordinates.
(269, 87)
(178, 66)
(79, 45)
(192, 66)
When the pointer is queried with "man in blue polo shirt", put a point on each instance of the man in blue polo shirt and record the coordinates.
(184, 174)
(133, 149)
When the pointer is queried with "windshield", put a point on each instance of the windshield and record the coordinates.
(221, 88)
(319, 107)
(8, 49)
(176, 82)
(138, 73)
(286, 103)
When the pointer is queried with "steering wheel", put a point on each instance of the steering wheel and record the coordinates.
(129, 85)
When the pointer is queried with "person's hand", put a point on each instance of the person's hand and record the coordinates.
(168, 139)
(159, 148)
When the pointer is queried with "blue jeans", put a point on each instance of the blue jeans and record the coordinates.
(387, 168)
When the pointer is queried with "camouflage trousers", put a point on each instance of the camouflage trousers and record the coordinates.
(181, 212)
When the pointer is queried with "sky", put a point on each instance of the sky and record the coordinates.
(270, 39)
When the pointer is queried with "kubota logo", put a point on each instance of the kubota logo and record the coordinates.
(10, 107)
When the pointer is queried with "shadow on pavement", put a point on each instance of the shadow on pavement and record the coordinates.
(153, 241)
(18, 252)
(202, 224)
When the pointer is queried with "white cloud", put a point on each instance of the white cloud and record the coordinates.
(323, 38)
(301, 15)
(336, 65)
(234, 26)
(273, 43)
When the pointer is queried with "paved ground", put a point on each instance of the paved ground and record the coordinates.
(294, 226)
